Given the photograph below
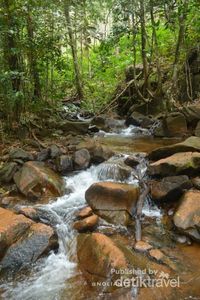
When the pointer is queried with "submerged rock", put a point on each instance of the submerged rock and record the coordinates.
(113, 201)
(190, 144)
(179, 163)
(187, 216)
(35, 180)
(169, 188)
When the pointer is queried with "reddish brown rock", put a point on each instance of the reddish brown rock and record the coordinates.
(85, 212)
(179, 163)
(88, 223)
(142, 246)
(113, 201)
(187, 216)
(35, 180)
(156, 254)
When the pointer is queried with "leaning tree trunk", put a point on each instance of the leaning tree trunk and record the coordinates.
(72, 41)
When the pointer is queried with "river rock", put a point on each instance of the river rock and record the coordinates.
(187, 216)
(138, 119)
(54, 151)
(84, 212)
(35, 180)
(142, 246)
(12, 227)
(100, 122)
(88, 223)
(113, 201)
(64, 164)
(176, 125)
(176, 164)
(43, 155)
(97, 152)
(74, 127)
(169, 188)
(21, 154)
(190, 144)
(38, 240)
(82, 159)
(8, 171)
(97, 255)
(132, 161)
(114, 169)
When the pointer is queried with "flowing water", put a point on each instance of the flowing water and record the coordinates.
(57, 277)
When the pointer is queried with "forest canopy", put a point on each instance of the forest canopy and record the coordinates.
(51, 50)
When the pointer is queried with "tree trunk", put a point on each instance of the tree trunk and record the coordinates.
(32, 57)
(143, 44)
(72, 41)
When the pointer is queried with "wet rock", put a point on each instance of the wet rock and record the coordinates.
(12, 227)
(115, 169)
(35, 180)
(55, 151)
(74, 127)
(156, 254)
(19, 153)
(29, 212)
(179, 163)
(197, 129)
(110, 200)
(39, 239)
(100, 122)
(82, 159)
(131, 161)
(97, 152)
(43, 155)
(64, 164)
(85, 212)
(88, 223)
(190, 144)
(169, 188)
(142, 246)
(97, 255)
(8, 171)
(187, 216)
(176, 125)
(138, 119)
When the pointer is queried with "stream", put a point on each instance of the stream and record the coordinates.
(57, 276)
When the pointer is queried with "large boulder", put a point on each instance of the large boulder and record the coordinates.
(176, 164)
(176, 125)
(113, 201)
(97, 256)
(114, 169)
(169, 188)
(7, 172)
(187, 216)
(190, 144)
(37, 240)
(34, 180)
